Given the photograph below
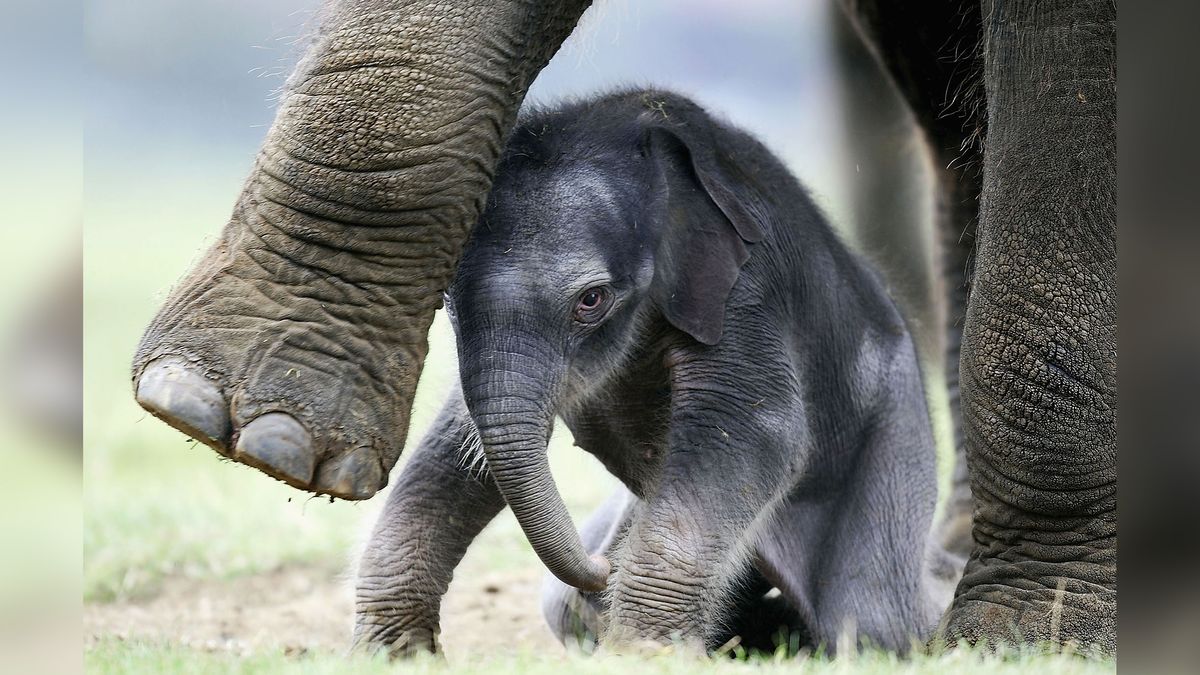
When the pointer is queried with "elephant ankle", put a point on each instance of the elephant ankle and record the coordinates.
(401, 630)
(396, 642)
(1027, 602)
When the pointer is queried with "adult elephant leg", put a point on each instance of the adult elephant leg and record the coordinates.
(294, 345)
(930, 54)
(887, 177)
(1039, 351)
(443, 499)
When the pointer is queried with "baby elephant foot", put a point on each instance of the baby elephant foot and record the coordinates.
(398, 645)
(659, 636)
(292, 356)
(398, 633)
(642, 647)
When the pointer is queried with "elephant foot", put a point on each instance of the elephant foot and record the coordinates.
(398, 636)
(1023, 611)
(404, 645)
(649, 641)
(292, 356)
(647, 649)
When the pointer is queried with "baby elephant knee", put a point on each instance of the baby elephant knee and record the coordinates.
(576, 618)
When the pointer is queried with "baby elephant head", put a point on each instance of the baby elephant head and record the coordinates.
(605, 218)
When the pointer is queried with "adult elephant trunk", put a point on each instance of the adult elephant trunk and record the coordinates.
(512, 412)
(295, 344)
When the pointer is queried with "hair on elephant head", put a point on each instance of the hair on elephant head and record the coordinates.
(606, 217)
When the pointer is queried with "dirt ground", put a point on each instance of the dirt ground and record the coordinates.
(303, 609)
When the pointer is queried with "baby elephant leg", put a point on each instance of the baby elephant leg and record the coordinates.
(438, 506)
(857, 566)
(758, 620)
(578, 617)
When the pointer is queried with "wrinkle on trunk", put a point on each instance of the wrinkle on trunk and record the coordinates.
(514, 430)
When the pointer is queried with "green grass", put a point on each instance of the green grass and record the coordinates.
(121, 657)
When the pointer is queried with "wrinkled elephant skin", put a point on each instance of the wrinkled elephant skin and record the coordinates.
(295, 344)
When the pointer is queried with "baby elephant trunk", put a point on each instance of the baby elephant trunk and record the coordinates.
(514, 430)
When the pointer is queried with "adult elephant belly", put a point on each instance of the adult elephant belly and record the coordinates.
(294, 345)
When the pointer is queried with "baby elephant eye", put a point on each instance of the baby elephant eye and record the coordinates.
(593, 304)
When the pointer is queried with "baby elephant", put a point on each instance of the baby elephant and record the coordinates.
(661, 282)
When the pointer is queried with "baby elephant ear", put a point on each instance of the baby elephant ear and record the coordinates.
(707, 211)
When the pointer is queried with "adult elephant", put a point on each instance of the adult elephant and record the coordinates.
(295, 344)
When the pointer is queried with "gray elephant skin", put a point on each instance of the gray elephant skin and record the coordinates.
(294, 345)
(662, 282)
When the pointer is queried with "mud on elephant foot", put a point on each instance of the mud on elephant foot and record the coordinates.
(290, 356)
